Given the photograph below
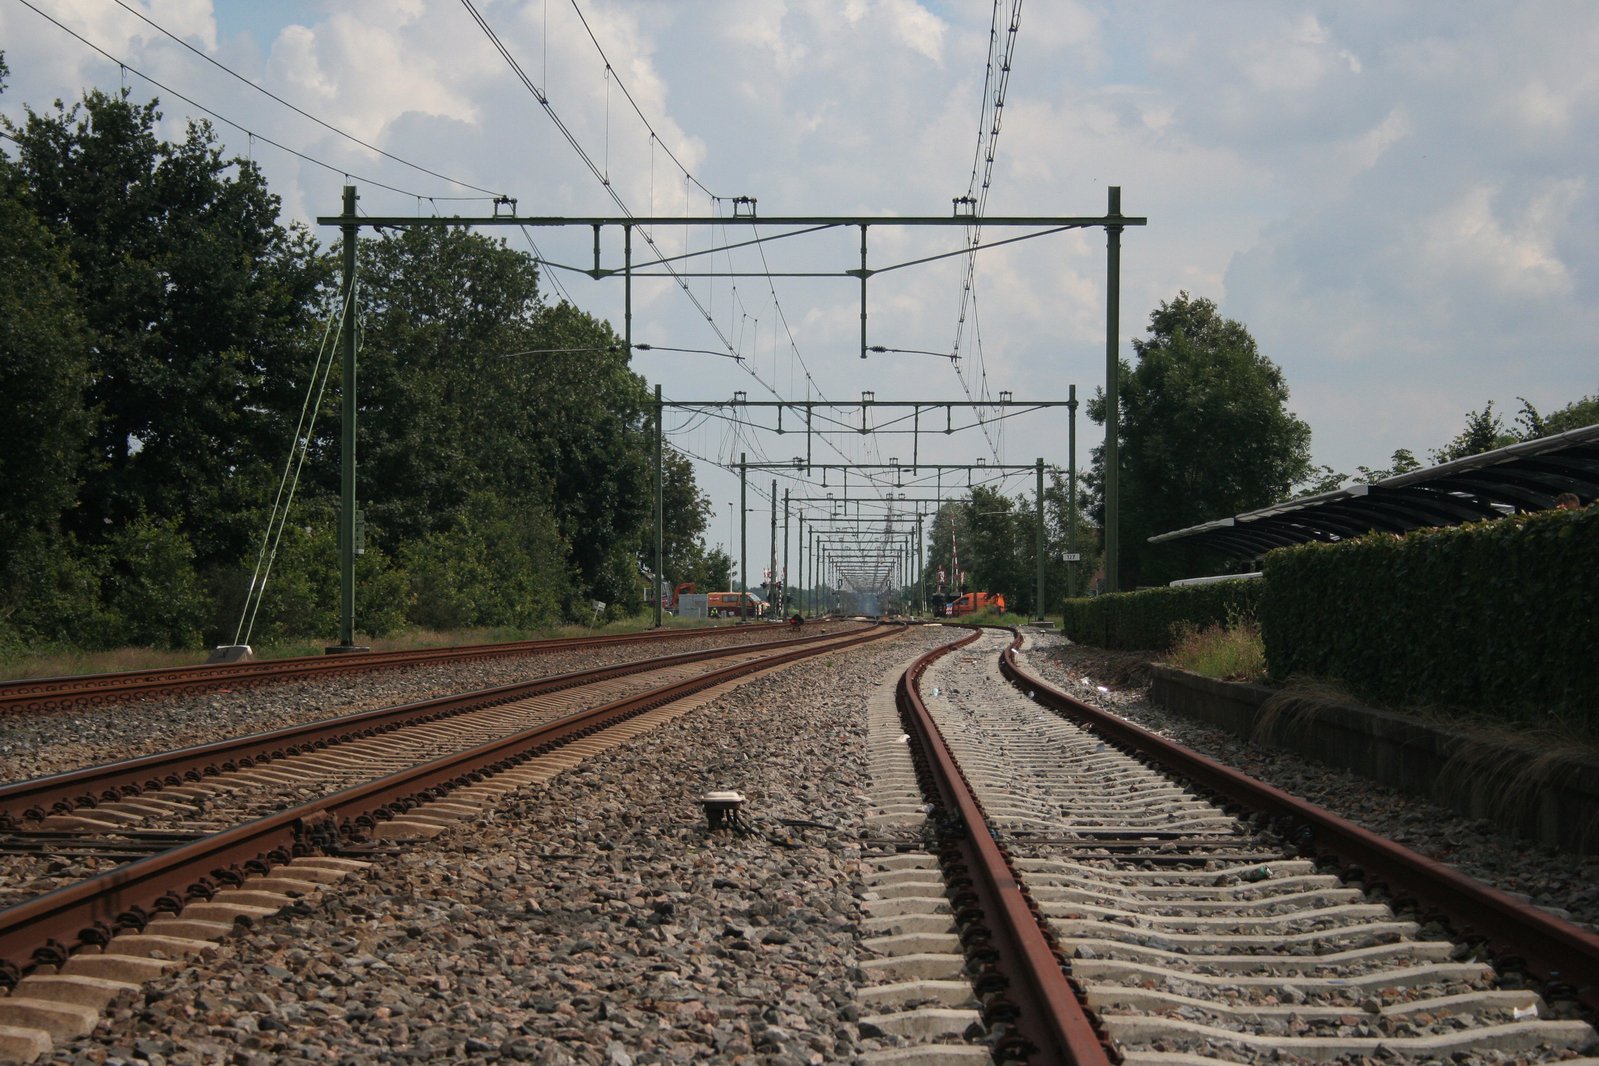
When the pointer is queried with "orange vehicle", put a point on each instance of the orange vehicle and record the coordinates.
(727, 605)
(973, 602)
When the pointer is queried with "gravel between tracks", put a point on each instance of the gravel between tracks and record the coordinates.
(53, 742)
(593, 920)
(1567, 884)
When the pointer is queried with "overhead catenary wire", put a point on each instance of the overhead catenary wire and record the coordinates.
(735, 434)
(996, 83)
(255, 136)
(632, 102)
(602, 177)
(688, 177)
(301, 111)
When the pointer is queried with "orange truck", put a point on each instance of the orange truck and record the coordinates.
(735, 605)
(972, 602)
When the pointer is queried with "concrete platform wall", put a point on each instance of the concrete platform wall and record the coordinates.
(1546, 797)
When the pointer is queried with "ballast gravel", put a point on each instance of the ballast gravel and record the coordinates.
(56, 741)
(593, 920)
(1566, 884)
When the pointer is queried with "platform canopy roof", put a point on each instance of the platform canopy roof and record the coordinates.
(1522, 477)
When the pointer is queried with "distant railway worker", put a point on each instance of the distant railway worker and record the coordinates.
(1567, 501)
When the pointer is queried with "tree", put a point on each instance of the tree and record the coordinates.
(1401, 462)
(43, 362)
(190, 290)
(710, 571)
(949, 535)
(471, 384)
(1063, 580)
(684, 511)
(1484, 432)
(1575, 415)
(999, 537)
(1205, 433)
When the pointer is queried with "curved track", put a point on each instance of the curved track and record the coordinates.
(1192, 931)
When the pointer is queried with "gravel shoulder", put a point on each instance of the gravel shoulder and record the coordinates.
(1567, 884)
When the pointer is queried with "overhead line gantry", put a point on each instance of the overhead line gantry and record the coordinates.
(350, 223)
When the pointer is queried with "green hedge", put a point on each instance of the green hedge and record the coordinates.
(1143, 620)
(1496, 616)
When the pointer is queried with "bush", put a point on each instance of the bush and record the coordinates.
(1495, 615)
(302, 591)
(493, 567)
(52, 594)
(1147, 620)
(150, 586)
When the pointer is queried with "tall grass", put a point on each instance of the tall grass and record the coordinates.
(1228, 653)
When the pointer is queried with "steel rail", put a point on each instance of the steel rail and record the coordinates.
(1023, 982)
(44, 931)
(84, 789)
(84, 690)
(1555, 951)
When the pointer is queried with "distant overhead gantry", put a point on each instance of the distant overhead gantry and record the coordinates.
(351, 222)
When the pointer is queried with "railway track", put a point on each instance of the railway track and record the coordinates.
(394, 784)
(33, 695)
(1074, 905)
(1194, 933)
(97, 797)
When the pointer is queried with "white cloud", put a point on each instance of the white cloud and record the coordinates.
(1512, 255)
(916, 27)
(1395, 199)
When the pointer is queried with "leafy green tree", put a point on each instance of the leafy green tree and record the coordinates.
(498, 565)
(1205, 433)
(1063, 580)
(1326, 479)
(685, 511)
(190, 290)
(1575, 415)
(710, 570)
(997, 538)
(1484, 432)
(302, 597)
(151, 585)
(471, 384)
(43, 362)
(997, 546)
(1401, 462)
(949, 536)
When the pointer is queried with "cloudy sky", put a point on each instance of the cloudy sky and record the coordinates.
(1398, 200)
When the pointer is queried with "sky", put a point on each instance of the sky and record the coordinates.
(1397, 200)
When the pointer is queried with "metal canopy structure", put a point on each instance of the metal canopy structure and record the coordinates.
(1522, 477)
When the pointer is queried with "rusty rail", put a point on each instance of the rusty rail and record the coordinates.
(1027, 997)
(84, 789)
(1555, 951)
(45, 930)
(31, 695)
